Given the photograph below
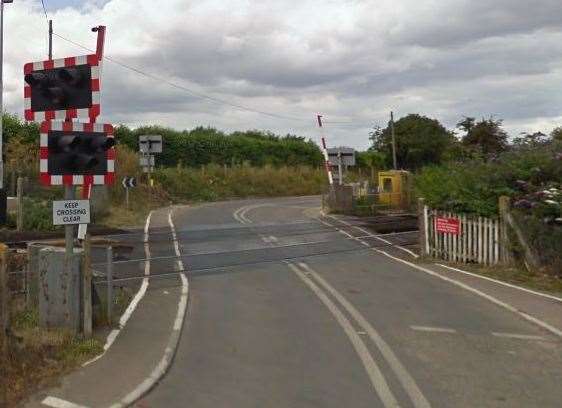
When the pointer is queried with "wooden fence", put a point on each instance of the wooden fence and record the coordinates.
(472, 239)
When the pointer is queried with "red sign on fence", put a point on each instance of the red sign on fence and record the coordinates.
(448, 225)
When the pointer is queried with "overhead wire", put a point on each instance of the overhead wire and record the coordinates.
(201, 95)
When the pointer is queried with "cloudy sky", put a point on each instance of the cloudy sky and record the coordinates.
(351, 60)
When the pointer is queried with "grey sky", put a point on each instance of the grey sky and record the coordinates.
(351, 60)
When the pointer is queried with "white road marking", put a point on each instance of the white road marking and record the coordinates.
(509, 285)
(370, 234)
(174, 338)
(433, 329)
(136, 299)
(373, 371)
(407, 381)
(492, 299)
(518, 336)
(60, 403)
(469, 288)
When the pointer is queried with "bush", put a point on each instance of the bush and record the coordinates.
(215, 182)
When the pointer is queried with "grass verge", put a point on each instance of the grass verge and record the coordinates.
(36, 357)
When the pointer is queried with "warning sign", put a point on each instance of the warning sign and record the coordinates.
(448, 225)
(69, 212)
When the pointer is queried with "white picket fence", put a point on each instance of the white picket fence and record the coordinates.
(478, 240)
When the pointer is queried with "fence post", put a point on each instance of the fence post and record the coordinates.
(505, 250)
(87, 287)
(109, 284)
(19, 194)
(422, 226)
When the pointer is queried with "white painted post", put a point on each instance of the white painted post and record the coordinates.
(464, 237)
(454, 238)
(469, 238)
(426, 226)
(479, 240)
(496, 241)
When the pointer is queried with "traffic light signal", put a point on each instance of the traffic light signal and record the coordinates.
(78, 153)
(62, 89)
(73, 153)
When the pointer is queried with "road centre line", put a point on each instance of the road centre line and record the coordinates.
(405, 379)
(373, 371)
(136, 299)
(433, 329)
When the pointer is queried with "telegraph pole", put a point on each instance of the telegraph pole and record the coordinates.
(50, 39)
(393, 141)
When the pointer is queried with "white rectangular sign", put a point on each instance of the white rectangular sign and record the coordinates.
(146, 161)
(150, 143)
(69, 212)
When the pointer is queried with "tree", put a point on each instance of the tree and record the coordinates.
(556, 134)
(419, 141)
(486, 136)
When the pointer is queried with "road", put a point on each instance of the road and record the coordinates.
(288, 311)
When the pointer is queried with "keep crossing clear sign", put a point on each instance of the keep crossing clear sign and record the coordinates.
(69, 212)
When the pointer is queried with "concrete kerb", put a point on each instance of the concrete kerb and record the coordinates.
(165, 363)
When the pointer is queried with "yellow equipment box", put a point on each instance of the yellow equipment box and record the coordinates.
(394, 188)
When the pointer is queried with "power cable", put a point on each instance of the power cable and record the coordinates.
(200, 95)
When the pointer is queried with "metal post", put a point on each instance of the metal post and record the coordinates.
(340, 168)
(69, 194)
(19, 195)
(393, 141)
(87, 288)
(50, 40)
(127, 197)
(109, 284)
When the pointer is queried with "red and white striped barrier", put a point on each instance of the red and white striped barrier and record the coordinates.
(325, 151)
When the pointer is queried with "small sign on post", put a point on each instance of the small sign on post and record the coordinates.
(150, 144)
(71, 212)
(448, 225)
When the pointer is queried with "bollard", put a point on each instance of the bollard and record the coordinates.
(110, 284)
(19, 192)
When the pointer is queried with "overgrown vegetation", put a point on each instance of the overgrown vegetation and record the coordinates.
(38, 356)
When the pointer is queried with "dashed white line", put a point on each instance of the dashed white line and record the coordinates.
(433, 329)
(518, 336)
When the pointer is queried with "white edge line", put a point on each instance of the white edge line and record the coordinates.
(509, 285)
(59, 403)
(370, 235)
(492, 299)
(162, 367)
(112, 336)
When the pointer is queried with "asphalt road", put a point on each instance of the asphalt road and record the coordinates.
(286, 311)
